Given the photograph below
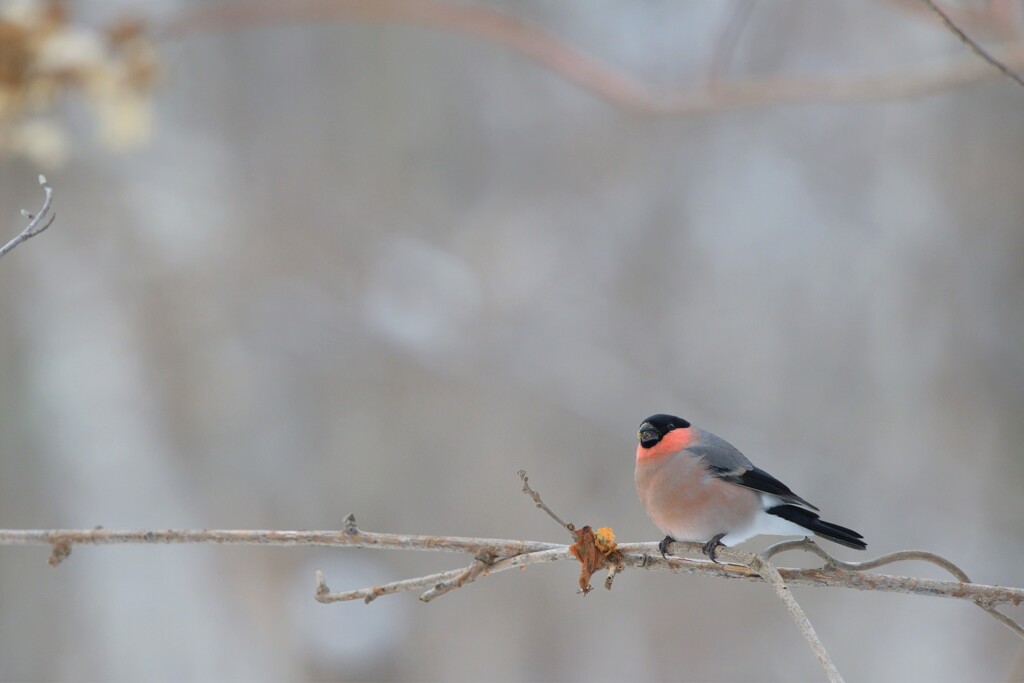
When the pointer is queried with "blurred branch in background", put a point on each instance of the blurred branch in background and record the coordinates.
(728, 39)
(43, 56)
(37, 223)
(999, 18)
(603, 80)
(974, 46)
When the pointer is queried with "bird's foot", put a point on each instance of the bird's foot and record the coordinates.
(663, 546)
(711, 546)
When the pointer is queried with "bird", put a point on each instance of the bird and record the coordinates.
(696, 486)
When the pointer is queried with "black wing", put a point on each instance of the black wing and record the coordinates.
(759, 480)
(727, 463)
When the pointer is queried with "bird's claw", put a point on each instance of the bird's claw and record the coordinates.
(663, 546)
(711, 547)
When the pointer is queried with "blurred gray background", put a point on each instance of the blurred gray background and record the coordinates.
(378, 269)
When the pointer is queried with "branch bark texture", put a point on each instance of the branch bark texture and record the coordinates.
(522, 553)
(492, 556)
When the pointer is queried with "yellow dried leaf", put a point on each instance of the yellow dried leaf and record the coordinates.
(605, 539)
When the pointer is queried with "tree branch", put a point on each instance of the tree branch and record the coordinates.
(540, 503)
(761, 564)
(901, 556)
(349, 537)
(37, 223)
(588, 72)
(498, 555)
(636, 555)
(492, 556)
(994, 19)
(728, 39)
(969, 42)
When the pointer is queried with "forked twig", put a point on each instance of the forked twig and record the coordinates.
(37, 223)
(468, 575)
(900, 556)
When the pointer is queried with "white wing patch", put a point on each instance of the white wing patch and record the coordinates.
(763, 523)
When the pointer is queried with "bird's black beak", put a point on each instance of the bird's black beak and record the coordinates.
(648, 435)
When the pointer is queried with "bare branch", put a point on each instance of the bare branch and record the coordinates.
(763, 566)
(368, 595)
(901, 556)
(540, 503)
(637, 555)
(728, 39)
(350, 537)
(493, 556)
(995, 19)
(441, 579)
(468, 575)
(37, 223)
(985, 597)
(646, 556)
(516, 554)
(634, 555)
(969, 42)
(590, 73)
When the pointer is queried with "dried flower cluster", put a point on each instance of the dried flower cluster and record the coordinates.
(595, 551)
(43, 56)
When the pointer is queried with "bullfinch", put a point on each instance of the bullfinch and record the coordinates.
(696, 486)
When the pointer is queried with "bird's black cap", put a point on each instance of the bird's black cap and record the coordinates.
(657, 426)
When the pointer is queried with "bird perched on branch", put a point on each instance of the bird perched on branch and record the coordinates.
(696, 486)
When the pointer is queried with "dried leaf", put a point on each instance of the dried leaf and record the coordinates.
(595, 552)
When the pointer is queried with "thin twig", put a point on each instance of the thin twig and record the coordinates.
(808, 545)
(367, 595)
(991, 20)
(540, 503)
(763, 566)
(728, 39)
(441, 578)
(37, 223)
(468, 575)
(969, 42)
(588, 72)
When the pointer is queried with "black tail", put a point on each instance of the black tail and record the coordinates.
(811, 522)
